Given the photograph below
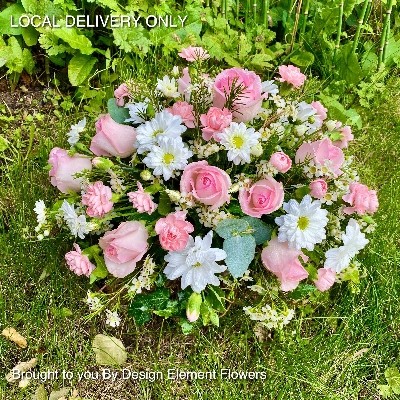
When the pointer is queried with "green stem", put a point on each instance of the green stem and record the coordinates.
(237, 9)
(296, 24)
(304, 24)
(359, 26)
(266, 13)
(339, 28)
(255, 10)
(385, 35)
(247, 13)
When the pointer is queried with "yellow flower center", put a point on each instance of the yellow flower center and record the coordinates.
(237, 141)
(168, 158)
(303, 223)
(157, 132)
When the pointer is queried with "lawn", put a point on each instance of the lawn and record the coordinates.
(339, 353)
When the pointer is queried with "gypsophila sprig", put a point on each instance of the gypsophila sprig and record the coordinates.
(204, 183)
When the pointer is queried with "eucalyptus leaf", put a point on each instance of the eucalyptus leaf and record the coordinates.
(109, 350)
(118, 114)
(240, 253)
(262, 231)
(230, 227)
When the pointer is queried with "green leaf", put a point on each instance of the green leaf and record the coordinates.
(262, 60)
(385, 391)
(27, 61)
(74, 39)
(145, 303)
(214, 318)
(15, 10)
(170, 309)
(4, 143)
(240, 253)
(79, 68)
(303, 290)
(109, 350)
(303, 59)
(40, 393)
(216, 298)
(300, 192)
(30, 35)
(118, 114)
(230, 227)
(347, 65)
(164, 205)
(393, 379)
(186, 326)
(262, 231)
(100, 272)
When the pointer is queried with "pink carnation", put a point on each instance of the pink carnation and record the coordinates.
(119, 94)
(98, 199)
(173, 231)
(322, 152)
(281, 161)
(142, 201)
(320, 109)
(283, 262)
(361, 199)
(346, 137)
(292, 75)
(192, 54)
(318, 188)
(78, 263)
(248, 103)
(183, 84)
(185, 111)
(215, 121)
(326, 278)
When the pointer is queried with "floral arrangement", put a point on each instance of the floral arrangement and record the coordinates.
(203, 181)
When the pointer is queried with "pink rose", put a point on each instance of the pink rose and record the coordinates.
(361, 199)
(185, 111)
(248, 103)
(98, 199)
(326, 278)
(292, 75)
(320, 109)
(346, 137)
(206, 183)
(215, 121)
(318, 188)
(142, 201)
(192, 54)
(184, 83)
(173, 231)
(321, 152)
(78, 263)
(124, 247)
(119, 94)
(264, 197)
(64, 167)
(283, 262)
(113, 139)
(281, 161)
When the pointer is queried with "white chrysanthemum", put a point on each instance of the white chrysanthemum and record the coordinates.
(239, 140)
(168, 87)
(76, 224)
(73, 134)
(137, 111)
(169, 156)
(353, 241)
(196, 264)
(164, 124)
(113, 318)
(40, 210)
(304, 224)
(269, 87)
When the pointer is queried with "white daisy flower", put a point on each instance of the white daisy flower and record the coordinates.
(353, 242)
(137, 111)
(304, 224)
(113, 319)
(170, 155)
(73, 134)
(168, 87)
(164, 124)
(239, 140)
(196, 264)
(76, 224)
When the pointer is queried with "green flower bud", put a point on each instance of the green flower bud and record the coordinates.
(146, 175)
(102, 163)
(193, 307)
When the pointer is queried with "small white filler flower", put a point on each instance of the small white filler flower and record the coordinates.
(196, 264)
(73, 134)
(168, 87)
(304, 224)
(113, 319)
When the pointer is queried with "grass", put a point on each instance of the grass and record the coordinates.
(341, 354)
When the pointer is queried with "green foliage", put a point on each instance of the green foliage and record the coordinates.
(392, 376)
(118, 114)
(240, 252)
